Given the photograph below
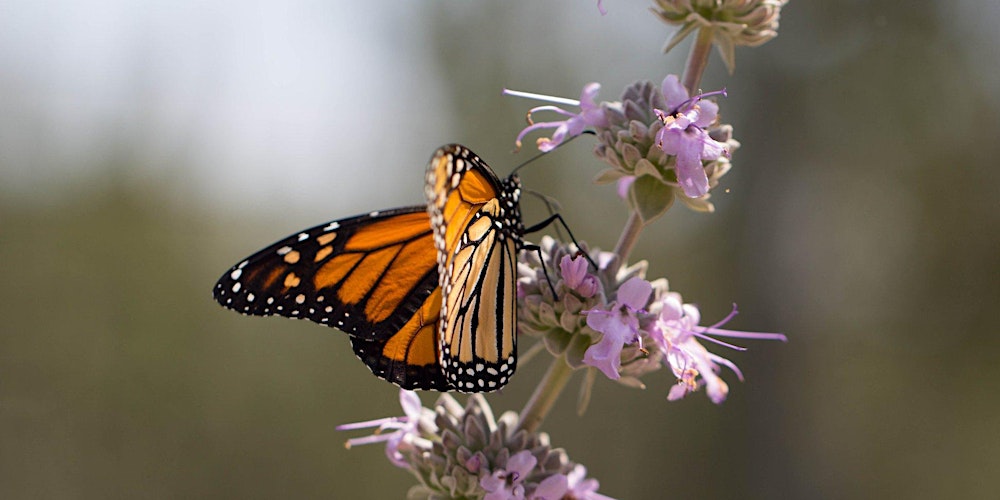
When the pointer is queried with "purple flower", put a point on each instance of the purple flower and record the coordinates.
(624, 184)
(553, 487)
(575, 276)
(590, 114)
(404, 429)
(676, 332)
(574, 485)
(506, 483)
(683, 134)
(600, 8)
(582, 488)
(619, 326)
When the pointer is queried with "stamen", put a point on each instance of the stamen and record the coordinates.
(698, 97)
(723, 361)
(375, 438)
(744, 335)
(533, 127)
(370, 423)
(540, 97)
(716, 341)
(715, 330)
(732, 314)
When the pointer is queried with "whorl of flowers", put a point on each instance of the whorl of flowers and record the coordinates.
(633, 145)
(660, 142)
(732, 22)
(621, 324)
(561, 322)
(461, 452)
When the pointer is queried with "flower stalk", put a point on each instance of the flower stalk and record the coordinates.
(697, 59)
(545, 395)
(629, 236)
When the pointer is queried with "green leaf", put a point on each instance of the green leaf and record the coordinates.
(680, 35)
(650, 198)
(576, 349)
(557, 340)
(608, 175)
(645, 167)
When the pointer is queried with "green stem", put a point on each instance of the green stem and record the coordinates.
(697, 60)
(545, 395)
(629, 236)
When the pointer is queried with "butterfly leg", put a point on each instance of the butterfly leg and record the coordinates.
(537, 249)
(553, 218)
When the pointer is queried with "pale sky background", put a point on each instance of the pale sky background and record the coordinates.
(244, 100)
(250, 100)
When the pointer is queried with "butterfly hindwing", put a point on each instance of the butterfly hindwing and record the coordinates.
(373, 276)
(477, 231)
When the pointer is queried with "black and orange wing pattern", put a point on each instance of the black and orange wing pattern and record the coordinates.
(477, 231)
(427, 294)
(373, 276)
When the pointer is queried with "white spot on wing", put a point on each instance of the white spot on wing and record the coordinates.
(303, 236)
(236, 273)
(331, 226)
(285, 249)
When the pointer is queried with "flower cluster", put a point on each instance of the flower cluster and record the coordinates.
(731, 22)
(562, 322)
(660, 142)
(623, 325)
(465, 453)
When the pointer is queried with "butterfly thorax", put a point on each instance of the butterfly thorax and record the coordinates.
(510, 200)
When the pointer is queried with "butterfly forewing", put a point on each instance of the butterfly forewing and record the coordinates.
(373, 276)
(477, 231)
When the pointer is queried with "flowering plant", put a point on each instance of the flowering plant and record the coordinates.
(661, 143)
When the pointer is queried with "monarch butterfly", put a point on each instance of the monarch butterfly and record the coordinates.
(426, 293)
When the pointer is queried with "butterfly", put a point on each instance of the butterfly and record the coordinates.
(427, 294)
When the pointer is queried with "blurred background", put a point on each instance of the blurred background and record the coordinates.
(145, 147)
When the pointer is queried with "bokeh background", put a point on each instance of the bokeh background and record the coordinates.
(147, 146)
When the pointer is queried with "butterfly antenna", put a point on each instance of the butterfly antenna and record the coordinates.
(543, 153)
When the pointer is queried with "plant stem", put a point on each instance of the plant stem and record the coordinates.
(697, 60)
(545, 395)
(628, 238)
(696, 63)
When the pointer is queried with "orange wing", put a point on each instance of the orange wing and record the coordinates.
(477, 223)
(373, 276)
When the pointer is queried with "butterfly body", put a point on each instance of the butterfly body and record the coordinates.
(426, 293)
